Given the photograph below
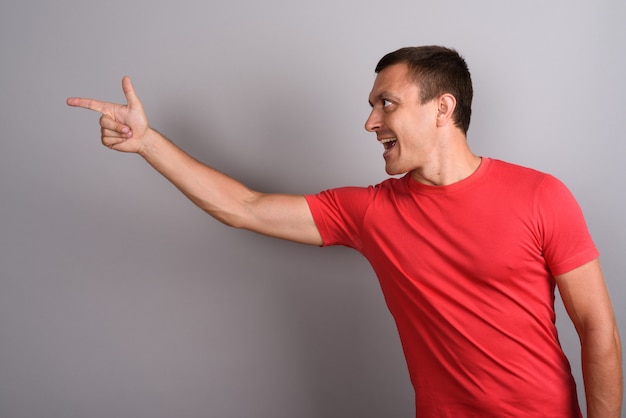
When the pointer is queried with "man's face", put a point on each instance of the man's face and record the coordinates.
(404, 126)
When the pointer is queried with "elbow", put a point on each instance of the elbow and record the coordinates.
(235, 213)
(227, 218)
(603, 339)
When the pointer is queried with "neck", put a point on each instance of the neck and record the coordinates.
(448, 166)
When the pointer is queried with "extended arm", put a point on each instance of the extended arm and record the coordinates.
(125, 128)
(588, 304)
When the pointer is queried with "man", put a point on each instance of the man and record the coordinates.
(468, 250)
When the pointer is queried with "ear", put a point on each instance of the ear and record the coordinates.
(446, 103)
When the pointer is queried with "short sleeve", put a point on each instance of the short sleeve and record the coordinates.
(567, 243)
(339, 213)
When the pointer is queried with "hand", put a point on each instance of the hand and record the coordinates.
(122, 126)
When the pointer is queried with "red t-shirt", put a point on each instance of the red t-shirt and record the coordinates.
(467, 273)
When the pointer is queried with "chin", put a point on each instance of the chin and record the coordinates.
(392, 171)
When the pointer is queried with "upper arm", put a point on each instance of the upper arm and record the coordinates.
(282, 216)
(587, 301)
(586, 298)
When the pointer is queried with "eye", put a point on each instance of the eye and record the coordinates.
(386, 103)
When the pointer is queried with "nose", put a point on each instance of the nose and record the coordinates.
(372, 124)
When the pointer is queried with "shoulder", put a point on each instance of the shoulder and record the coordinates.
(390, 185)
(354, 199)
(519, 178)
(510, 169)
(548, 195)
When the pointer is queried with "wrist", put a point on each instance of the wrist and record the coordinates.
(148, 143)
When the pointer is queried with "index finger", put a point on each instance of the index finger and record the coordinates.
(90, 104)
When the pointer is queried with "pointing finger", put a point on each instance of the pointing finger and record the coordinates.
(90, 104)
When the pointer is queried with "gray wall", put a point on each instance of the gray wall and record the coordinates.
(119, 298)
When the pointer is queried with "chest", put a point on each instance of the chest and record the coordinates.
(465, 236)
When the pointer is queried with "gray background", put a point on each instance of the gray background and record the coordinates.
(119, 298)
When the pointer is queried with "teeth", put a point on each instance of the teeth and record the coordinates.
(387, 140)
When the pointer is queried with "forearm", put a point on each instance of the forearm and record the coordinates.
(218, 194)
(602, 373)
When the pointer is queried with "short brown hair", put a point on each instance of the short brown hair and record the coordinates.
(437, 70)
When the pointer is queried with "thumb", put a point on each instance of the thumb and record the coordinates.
(129, 92)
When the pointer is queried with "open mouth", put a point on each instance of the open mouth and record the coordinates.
(388, 143)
